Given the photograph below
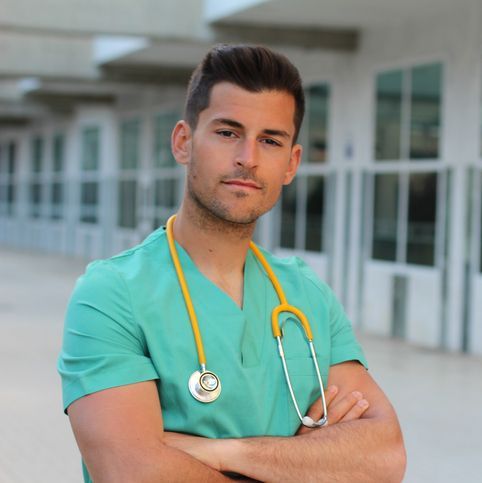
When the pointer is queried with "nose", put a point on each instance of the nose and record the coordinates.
(247, 154)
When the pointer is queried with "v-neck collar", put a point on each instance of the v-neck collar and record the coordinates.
(212, 293)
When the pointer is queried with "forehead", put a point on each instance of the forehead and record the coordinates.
(269, 109)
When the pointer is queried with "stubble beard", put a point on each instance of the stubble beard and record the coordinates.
(210, 213)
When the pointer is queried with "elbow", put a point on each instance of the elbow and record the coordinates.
(396, 461)
(399, 464)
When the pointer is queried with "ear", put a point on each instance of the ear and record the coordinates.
(181, 142)
(294, 162)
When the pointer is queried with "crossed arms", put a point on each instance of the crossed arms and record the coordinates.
(121, 437)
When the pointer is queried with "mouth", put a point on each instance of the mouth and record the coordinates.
(242, 183)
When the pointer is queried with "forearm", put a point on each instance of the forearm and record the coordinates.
(150, 465)
(358, 451)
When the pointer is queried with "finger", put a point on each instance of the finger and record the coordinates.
(315, 411)
(338, 410)
(356, 411)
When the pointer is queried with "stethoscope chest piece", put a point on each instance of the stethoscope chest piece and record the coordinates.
(204, 386)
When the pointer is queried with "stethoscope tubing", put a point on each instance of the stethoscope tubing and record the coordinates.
(204, 395)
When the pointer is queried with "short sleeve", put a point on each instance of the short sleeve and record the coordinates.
(344, 345)
(103, 345)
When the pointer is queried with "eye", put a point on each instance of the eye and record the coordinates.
(226, 133)
(271, 142)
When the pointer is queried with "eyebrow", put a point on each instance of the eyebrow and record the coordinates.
(238, 125)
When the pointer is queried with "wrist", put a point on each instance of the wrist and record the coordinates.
(229, 453)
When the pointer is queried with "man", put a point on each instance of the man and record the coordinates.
(129, 349)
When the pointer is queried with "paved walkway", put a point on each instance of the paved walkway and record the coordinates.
(438, 396)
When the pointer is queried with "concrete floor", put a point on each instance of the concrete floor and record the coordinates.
(438, 396)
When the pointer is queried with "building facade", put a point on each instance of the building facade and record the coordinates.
(387, 205)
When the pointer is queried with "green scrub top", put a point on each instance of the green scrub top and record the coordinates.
(127, 322)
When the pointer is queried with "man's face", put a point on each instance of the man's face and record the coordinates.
(241, 153)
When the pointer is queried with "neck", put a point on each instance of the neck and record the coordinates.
(217, 247)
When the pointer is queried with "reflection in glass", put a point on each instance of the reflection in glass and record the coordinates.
(425, 106)
(90, 148)
(314, 213)
(422, 208)
(89, 198)
(388, 115)
(317, 123)
(129, 149)
(385, 216)
(127, 199)
(163, 126)
(288, 216)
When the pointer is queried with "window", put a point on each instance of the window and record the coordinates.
(288, 215)
(385, 217)
(57, 180)
(89, 200)
(408, 113)
(129, 163)
(317, 119)
(89, 186)
(480, 226)
(35, 184)
(407, 128)
(416, 194)
(90, 149)
(389, 115)
(303, 206)
(163, 126)
(167, 177)
(7, 179)
(422, 206)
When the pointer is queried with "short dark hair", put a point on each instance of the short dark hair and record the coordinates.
(254, 68)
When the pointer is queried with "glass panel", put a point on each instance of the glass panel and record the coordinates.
(385, 216)
(10, 199)
(37, 152)
(35, 199)
(426, 88)
(3, 197)
(12, 154)
(163, 126)
(89, 196)
(315, 205)
(480, 234)
(388, 115)
(58, 153)
(56, 199)
(127, 203)
(90, 148)
(288, 216)
(130, 131)
(317, 123)
(165, 193)
(422, 208)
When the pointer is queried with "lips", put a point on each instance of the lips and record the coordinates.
(242, 183)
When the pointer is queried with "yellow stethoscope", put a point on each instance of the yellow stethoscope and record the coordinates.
(205, 385)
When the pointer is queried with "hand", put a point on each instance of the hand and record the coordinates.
(350, 407)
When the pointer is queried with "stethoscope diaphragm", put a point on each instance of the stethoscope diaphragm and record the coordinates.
(204, 386)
